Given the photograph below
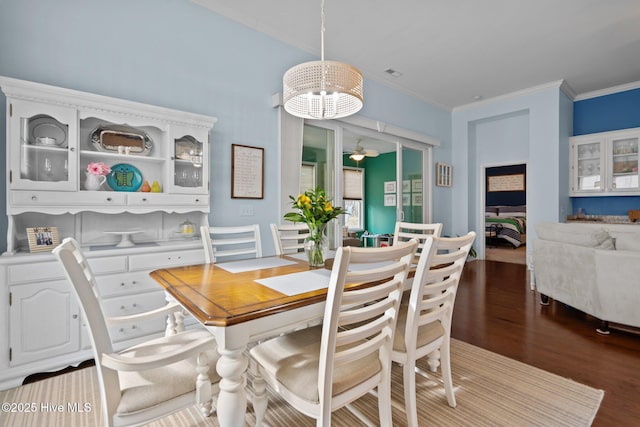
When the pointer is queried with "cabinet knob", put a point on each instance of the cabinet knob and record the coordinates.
(122, 307)
(133, 326)
(109, 199)
(134, 305)
(34, 198)
(122, 284)
(197, 200)
(72, 148)
(144, 199)
(133, 282)
(75, 316)
(121, 329)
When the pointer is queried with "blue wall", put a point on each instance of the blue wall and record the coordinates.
(609, 112)
(601, 114)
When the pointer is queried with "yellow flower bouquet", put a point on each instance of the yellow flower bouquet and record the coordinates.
(314, 209)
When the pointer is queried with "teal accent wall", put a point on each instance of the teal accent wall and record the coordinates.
(378, 218)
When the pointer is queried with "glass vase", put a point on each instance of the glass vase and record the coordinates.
(316, 246)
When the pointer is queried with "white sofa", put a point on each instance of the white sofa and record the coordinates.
(594, 268)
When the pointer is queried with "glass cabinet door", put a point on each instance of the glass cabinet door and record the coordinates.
(45, 138)
(588, 166)
(624, 164)
(190, 160)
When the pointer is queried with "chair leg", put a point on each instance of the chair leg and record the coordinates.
(203, 386)
(433, 359)
(446, 374)
(409, 379)
(384, 401)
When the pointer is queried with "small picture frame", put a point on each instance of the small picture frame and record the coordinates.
(416, 199)
(389, 199)
(406, 186)
(416, 185)
(389, 187)
(406, 199)
(444, 175)
(42, 239)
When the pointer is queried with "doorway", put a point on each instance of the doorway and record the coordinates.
(505, 212)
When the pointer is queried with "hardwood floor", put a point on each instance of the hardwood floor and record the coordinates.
(496, 310)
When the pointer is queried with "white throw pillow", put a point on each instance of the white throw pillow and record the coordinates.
(575, 234)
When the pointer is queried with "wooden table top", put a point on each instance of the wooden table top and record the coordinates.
(217, 297)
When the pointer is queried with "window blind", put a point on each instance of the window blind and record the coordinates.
(352, 179)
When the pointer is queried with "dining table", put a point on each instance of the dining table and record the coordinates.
(245, 301)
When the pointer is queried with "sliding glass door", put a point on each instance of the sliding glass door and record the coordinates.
(390, 173)
(412, 204)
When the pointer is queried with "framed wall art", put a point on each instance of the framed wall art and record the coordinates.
(444, 175)
(247, 172)
(42, 239)
(512, 182)
(389, 187)
(389, 199)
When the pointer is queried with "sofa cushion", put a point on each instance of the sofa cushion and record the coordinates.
(628, 242)
(575, 234)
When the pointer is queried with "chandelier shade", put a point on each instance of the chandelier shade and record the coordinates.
(323, 90)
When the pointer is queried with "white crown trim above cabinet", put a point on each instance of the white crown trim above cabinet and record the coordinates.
(53, 134)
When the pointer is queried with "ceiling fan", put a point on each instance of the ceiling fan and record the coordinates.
(360, 153)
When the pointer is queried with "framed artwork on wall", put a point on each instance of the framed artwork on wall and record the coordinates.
(512, 182)
(389, 187)
(444, 175)
(406, 199)
(416, 199)
(247, 172)
(416, 185)
(389, 199)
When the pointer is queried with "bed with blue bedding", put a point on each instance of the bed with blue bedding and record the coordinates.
(506, 223)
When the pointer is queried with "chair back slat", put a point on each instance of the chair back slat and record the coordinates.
(231, 242)
(289, 238)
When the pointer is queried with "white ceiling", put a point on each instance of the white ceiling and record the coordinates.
(452, 51)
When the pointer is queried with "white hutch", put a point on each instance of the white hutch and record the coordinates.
(53, 134)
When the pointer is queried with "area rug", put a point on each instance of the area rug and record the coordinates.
(491, 390)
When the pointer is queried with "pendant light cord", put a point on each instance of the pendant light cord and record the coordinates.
(322, 30)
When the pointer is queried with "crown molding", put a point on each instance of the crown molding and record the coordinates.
(608, 91)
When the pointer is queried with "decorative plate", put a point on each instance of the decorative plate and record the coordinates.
(45, 130)
(124, 177)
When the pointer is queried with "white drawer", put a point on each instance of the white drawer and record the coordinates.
(154, 261)
(64, 198)
(163, 199)
(133, 304)
(126, 283)
(50, 270)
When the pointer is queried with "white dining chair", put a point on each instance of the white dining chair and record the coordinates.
(241, 241)
(150, 380)
(424, 321)
(323, 368)
(289, 238)
(405, 231)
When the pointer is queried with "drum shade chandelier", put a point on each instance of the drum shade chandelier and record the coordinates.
(322, 89)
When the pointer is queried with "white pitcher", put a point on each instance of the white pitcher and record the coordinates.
(93, 182)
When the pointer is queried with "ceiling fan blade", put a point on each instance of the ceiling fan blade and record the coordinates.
(371, 153)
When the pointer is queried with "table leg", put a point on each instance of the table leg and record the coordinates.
(232, 400)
